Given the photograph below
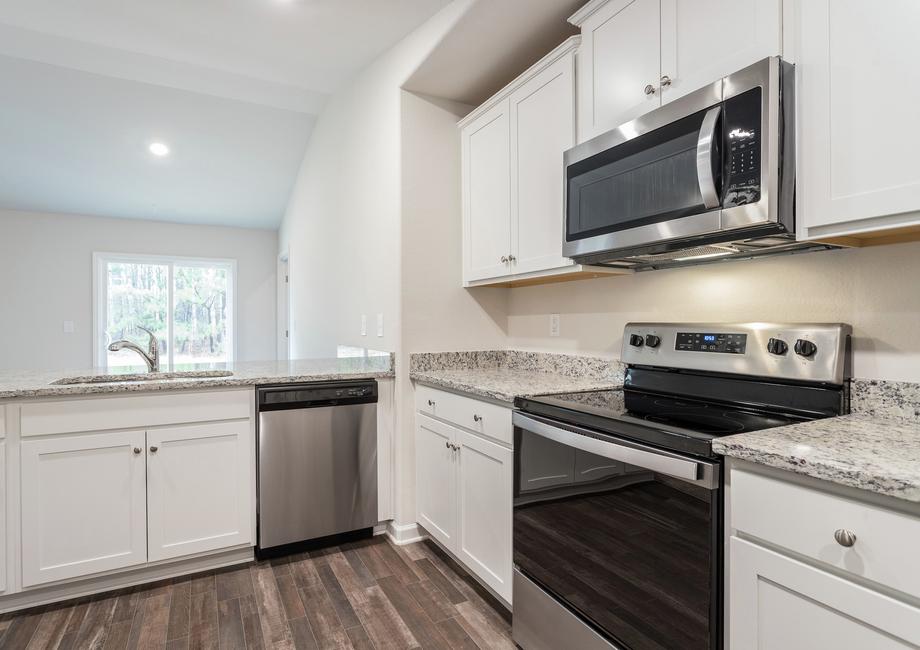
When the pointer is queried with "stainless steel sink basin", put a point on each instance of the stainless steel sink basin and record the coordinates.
(143, 376)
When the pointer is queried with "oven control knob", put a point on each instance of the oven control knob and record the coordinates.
(777, 346)
(805, 348)
(652, 341)
(636, 340)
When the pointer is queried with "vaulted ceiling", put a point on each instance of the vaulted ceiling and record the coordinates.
(233, 87)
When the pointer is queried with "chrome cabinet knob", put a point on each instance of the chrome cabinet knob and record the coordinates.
(845, 537)
(512, 258)
(665, 81)
(477, 418)
(430, 403)
(137, 450)
(447, 444)
(153, 450)
(650, 89)
(504, 259)
(455, 447)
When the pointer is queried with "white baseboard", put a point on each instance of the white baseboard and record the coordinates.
(402, 534)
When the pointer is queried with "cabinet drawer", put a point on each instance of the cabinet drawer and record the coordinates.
(804, 520)
(484, 418)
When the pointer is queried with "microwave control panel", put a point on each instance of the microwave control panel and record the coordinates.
(741, 126)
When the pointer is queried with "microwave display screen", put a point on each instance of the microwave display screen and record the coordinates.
(715, 342)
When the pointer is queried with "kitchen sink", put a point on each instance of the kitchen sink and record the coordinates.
(143, 376)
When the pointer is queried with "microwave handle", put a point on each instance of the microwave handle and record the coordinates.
(704, 146)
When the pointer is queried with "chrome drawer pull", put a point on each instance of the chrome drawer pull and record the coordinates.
(477, 418)
(430, 403)
(845, 537)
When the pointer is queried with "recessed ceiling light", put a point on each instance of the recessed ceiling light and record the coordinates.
(159, 149)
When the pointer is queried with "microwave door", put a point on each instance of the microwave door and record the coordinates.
(658, 186)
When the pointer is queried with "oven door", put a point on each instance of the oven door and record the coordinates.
(624, 537)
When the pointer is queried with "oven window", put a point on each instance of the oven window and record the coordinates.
(649, 179)
(633, 552)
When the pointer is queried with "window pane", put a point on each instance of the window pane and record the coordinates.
(201, 331)
(136, 296)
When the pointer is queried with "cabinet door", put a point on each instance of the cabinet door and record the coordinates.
(484, 502)
(619, 56)
(542, 128)
(858, 87)
(436, 479)
(199, 488)
(705, 40)
(3, 558)
(83, 505)
(778, 603)
(487, 194)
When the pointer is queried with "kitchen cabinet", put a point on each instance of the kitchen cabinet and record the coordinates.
(813, 565)
(857, 87)
(198, 496)
(464, 482)
(436, 476)
(779, 603)
(636, 55)
(513, 178)
(83, 505)
(484, 501)
(3, 528)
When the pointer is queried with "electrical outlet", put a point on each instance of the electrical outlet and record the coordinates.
(379, 324)
(554, 324)
(68, 327)
(363, 324)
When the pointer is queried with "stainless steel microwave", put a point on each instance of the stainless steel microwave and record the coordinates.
(708, 176)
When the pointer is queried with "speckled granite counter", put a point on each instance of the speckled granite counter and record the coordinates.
(502, 375)
(877, 448)
(245, 373)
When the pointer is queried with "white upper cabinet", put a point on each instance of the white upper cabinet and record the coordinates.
(619, 63)
(704, 40)
(198, 488)
(858, 87)
(83, 505)
(543, 119)
(638, 54)
(487, 194)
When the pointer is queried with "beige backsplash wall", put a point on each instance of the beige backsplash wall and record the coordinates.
(876, 290)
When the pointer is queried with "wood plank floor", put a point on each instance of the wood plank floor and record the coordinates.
(367, 594)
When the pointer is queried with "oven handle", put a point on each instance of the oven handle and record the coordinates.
(704, 145)
(630, 453)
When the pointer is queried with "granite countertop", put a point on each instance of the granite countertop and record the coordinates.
(502, 375)
(245, 373)
(869, 452)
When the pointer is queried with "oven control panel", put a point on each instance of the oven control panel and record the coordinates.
(724, 343)
(817, 352)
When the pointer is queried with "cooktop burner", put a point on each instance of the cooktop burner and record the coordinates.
(674, 422)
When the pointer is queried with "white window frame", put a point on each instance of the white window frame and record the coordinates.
(100, 297)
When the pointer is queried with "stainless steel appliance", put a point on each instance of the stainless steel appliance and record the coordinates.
(618, 508)
(707, 176)
(317, 461)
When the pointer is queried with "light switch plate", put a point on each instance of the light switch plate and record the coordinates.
(363, 324)
(554, 324)
(379, 324)
(68, 327)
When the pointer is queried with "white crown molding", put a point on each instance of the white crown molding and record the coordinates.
(36, 46)
(580, 16)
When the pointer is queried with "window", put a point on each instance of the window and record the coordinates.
(186, 303)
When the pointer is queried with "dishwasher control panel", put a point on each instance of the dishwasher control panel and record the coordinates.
(317, 394)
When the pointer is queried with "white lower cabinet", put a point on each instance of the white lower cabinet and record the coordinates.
(484, 500)
(779, 603)
(198, 488)
(83, 505)
(464, 498)
(3, 529)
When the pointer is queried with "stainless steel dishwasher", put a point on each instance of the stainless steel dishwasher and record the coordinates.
(317, 461)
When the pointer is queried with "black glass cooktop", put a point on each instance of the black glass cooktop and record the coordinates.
(675, 423)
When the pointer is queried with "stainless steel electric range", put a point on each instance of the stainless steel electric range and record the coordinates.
(618, 507)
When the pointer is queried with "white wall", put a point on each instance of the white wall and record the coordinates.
(341, 226)
(874, 289)
(46, 277)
